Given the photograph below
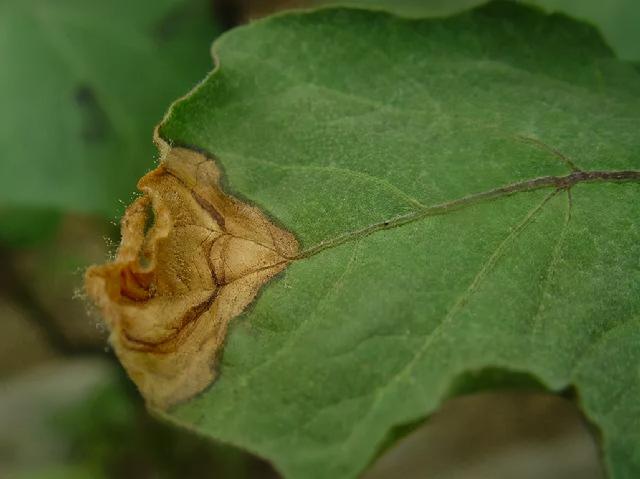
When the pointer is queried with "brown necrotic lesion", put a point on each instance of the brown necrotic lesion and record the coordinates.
(190, 260)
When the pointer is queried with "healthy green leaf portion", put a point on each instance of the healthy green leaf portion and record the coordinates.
(82, 86)
(337, 120)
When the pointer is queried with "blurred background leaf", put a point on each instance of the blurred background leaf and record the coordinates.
(83, 84)
(20, 226)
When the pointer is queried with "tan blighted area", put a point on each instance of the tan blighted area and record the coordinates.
(190, 260)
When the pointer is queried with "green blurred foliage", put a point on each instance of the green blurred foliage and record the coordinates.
(23, 227)
(83, 84)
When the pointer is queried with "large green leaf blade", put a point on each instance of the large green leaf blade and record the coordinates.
(338, 120)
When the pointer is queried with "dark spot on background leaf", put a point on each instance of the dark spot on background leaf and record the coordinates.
(95, 123)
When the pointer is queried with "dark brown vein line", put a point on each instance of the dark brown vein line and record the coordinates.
(210, 209)
(213, 212)
(204, 204)
(558, 182)
(164, 345)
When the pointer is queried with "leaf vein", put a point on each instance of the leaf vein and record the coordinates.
(458, 305)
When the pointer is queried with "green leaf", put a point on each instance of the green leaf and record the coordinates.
(429, 169)
(82, 86)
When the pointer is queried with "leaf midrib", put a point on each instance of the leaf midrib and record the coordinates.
(565, 182)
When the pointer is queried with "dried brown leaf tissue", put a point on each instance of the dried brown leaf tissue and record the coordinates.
(191, 259)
